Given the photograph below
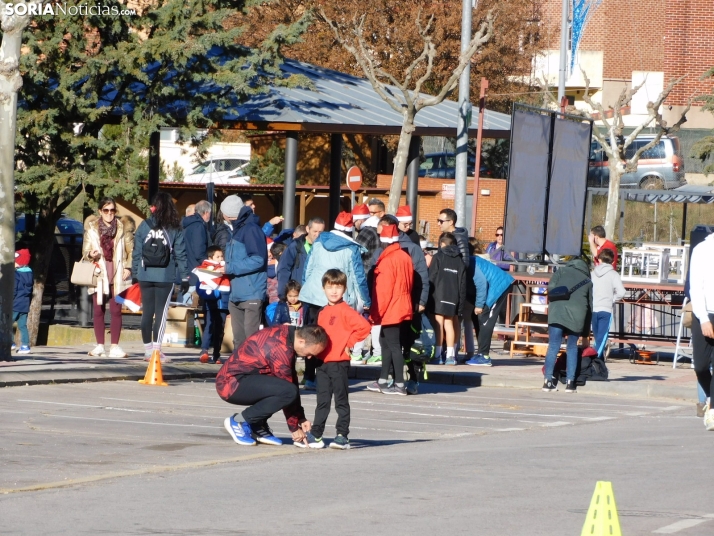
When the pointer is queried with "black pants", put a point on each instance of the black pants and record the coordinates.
(703, 356)
(155, 299)
(390, 339)
(310, 318)
(266, 395)
(487, 322)
(332, 380)
(213, 328)
(408, 335)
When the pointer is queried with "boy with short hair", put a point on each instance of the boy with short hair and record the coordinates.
(216, 301)
(607, 289)
(345, 327)
(23, 295)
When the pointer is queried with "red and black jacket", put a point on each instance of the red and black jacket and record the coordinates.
(269, 351)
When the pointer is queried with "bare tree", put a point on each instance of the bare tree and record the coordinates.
(615, 144)
(10, 84)
(409, 100)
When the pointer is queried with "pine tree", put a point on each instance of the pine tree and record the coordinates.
(268, 168)
(96, 87)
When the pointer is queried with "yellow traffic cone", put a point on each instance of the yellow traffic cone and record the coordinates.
(602, 518)
(154, 375)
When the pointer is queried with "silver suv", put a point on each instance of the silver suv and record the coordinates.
(660, 167)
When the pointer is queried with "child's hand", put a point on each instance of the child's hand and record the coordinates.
(299, 437)
(306, 426)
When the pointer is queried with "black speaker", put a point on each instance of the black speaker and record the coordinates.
(698, 234)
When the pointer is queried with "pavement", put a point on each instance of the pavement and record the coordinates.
(123, 458)
(64, 364)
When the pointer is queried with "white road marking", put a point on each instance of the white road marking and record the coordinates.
(680, 525)
(85, 406)
(214, 427)
(557, 423)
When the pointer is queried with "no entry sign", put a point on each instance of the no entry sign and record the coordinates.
(354, 178)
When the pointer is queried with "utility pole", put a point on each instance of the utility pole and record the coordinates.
(563, 71)
(462, 128)
(479, 140)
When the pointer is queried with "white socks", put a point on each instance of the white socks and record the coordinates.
(450, 351)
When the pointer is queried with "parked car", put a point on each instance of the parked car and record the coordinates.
(67, 230)
(224, 169)
(443, 166)
(660, 167)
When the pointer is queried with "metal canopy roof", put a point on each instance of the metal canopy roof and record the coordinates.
(341, 103)
(689, 193)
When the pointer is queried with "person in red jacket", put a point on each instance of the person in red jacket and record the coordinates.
(345, 327)
(392, 308)
(261, 374)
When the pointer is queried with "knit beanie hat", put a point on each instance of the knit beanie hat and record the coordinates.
(360, 212)
(404, 213)
(344, 222)
(22, 257)
(231, 206)
(389, 234)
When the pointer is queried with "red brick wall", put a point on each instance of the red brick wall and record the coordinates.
(490, 208)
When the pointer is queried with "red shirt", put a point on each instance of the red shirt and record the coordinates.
(606, 245)
(345, 327)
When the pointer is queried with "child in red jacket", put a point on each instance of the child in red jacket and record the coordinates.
(345, 327)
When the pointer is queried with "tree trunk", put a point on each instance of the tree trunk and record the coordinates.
(400, 162)
(612, 214)
(43, 246)
(10, 83)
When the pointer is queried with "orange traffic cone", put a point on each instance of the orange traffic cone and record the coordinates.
(153, 371)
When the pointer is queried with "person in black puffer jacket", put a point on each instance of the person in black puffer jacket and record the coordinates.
(447, 277)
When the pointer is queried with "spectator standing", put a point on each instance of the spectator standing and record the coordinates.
(344, 327)
(392, 309)
(247, 263)
(701, 290)
(261, 374)
(190, 210)
(290, 311)
(197, 240)
(109, 242)
(447, 224)
(22, 297)
(447, 277)
(496, 252)
(215, 306)
(368, 238)
(360, 213)
(275, 251)
(160, 233)
(376, 211)
(230, 207)
(493, 285)
(406, 223)
(294, 259)
(300, 230)
(607, 289)
(569, 318)
(269, 226)
(598, 241)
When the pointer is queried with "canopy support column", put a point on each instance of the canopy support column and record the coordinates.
(291, 155)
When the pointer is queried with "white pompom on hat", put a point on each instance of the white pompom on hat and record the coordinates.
(344, 222)
(389, 234)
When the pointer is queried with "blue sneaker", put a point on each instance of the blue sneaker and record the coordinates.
(263, 434)
(436, 360)
(24, 349)
(450, 361)
(480, 361)
(310, 385)
(240, 431)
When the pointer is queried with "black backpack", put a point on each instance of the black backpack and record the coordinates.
(156, 250)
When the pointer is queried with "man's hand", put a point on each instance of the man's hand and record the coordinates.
(276, 220)
(299, 437)
(306, 426)
(708, 330)
(421, 308)
(478, 310)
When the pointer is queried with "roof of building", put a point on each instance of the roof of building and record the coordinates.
(689, 193)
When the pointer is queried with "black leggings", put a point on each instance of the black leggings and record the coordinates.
(266, 395)
(487, 322)
(154, 306)
(390, 339)
(703, 356)
(311, 312)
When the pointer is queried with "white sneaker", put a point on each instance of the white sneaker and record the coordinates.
(116, 351)
(98, 351)
(709, 420)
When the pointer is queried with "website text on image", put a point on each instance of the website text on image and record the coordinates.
(62, 9)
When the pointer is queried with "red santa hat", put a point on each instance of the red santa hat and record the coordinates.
(404, 213)
(344, 222)
(130, 298)
(360, 212)
(269, 241)
(22, 257)
(389, 234)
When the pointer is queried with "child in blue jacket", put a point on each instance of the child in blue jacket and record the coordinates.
(22, 297)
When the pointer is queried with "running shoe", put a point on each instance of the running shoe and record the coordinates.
(98, 351)
(709, 419)
(340, 442)
(374, 359)
(412, 387)
(116, 351)
(310, 385)
(205, 358)
(550, 385)
(239, 431)
(480, 361)
(377, 387)
(314, 442)
(450, 360)
(263, 434)
(24, 349)
(356, 359)
(395, 390)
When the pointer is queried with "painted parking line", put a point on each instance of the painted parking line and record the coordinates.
(681, 525)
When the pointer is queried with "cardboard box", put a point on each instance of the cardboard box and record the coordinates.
(180, 327)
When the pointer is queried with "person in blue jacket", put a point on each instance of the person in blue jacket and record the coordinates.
(492, 285)
(21, 299)
(247, 264)
(196, 238)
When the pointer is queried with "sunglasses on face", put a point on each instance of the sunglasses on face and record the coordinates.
(109, 210)
(441, 222)
(499, 234)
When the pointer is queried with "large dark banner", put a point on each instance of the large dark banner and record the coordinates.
(527, 181)
(568, 184)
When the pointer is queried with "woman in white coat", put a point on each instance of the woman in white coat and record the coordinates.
(108, 242)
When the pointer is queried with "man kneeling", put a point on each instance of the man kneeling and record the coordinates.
(261, 374)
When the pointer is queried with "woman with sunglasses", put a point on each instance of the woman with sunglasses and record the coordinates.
(108, 242)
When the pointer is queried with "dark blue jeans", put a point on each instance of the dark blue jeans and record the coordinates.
(215, 320)
(555, 338)
(601, 328)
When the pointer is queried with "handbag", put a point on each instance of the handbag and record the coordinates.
(84, 274)
(563, 293)
(687, 315)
